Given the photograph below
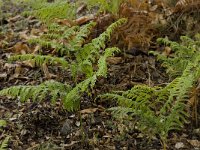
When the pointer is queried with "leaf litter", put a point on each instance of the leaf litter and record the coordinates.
(43, 125)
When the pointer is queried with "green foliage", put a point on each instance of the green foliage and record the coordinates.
(1, 4)
(47, 12)
(184, 53)
(2, 123)
(158, 110)
(64, 39)
(4, 144)
(83, 60)
(111, 6)
(72, 99)
(41, 59)
(39, 92)
(90, 52)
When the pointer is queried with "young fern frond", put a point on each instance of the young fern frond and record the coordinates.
(41, 59)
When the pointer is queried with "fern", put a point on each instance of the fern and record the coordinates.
(85, 58)
(183, 54)
(73, 38)
(47, 12)
(2, 123)
(41, 59)
(4, 144)
(87, 55)
(72, 99)
(160, 110)
(39, 92)
(111, 6)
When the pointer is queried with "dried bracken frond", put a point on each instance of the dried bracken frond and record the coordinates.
(141, 26)
(187, 5)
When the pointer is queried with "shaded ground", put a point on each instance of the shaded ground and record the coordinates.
(46, 126)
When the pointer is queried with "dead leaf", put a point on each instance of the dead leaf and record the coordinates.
(21, 48)
(3, 75)
(70, 144)
(36, 32)
(14, 19)
(195, 143)
(84, 19)
(153, 8)
(47, 74)
(81, 8)
(88, 111)
(10, 66)
(17, 71)
(179, 145)
(23, 35)
(29, 63)
(65, 22)
(66, 128)
(36, 49)
(114, 60)
(167, 51)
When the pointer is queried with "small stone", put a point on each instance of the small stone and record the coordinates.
(179, 145)
(66, 128)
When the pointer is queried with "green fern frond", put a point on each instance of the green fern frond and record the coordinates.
(4, 143)
(111, 6)
(183, 54)
(59, 9)
(72, 99)
(41, 59)
(39, 92)
(90, 52)
(65, 40)
(159, 110)
(47, 43)
(102, 65)
(141, 102)
(77, 42)
(2, 123)
(121, 112)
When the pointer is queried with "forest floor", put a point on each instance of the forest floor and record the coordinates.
(41, 125)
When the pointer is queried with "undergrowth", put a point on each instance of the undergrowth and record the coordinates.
(4, 142)
(83, 59)
(111, 6)
(48, 11)
(62, 9)
(159, 110)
